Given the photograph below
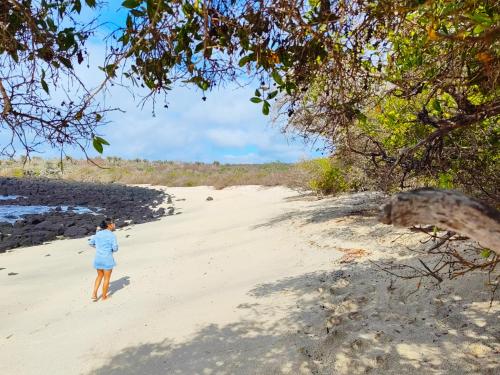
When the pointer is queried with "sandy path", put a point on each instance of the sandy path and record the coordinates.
(192, 294)
(258, 281)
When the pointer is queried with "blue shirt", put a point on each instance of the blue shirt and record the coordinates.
(105, 244)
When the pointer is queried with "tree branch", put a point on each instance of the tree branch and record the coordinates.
(446, 209)
(7, 106)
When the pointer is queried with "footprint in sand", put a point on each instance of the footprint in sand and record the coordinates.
(12, 274)
(80, 252)
(2, 268)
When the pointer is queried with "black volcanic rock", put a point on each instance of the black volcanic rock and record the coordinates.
(125, 204)
(75, 232)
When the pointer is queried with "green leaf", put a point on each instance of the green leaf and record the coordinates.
(314, 3)
(124, 39)
(246, 59)
(151, 7)
(265, 107)
(277, 78)
(204, 85)
(101, 140)
(45, 87)
(128, 22)
(51, 24)
(187, 9)
(445, 180)
(110, 70)
(257, 93)
(14, 56)
(272, 95)
(481, 18)
(478, 29)
(199, 47)
(149, 83)
(131, 3)
(256, 100)
(90, 3)
(77, 6)
(419, 59)
(486, 253)
(436, 105)
(361, 117)
(66, 39)
(66, 62)
(97, 145)
(290, 87)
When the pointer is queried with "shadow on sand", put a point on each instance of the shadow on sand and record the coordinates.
(319, 211)
(352, 320)
(243, 347)
(378, 328)
(116, 285)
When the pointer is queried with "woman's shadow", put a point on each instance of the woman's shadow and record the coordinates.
(116, 285)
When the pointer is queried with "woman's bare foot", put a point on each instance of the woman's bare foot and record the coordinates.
(106, 297)
(94, 298)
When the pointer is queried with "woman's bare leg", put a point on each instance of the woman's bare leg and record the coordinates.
(97, 283)
(105, 285)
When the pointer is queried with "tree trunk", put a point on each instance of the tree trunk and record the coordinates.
(447, 210)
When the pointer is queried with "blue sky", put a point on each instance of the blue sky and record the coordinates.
(226, 127)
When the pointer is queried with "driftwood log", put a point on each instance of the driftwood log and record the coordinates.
(448, 210)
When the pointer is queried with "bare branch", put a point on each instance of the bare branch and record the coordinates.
(446, 209)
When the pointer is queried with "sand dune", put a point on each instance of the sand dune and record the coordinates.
(257, 281)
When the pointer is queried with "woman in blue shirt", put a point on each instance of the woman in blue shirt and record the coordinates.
(105, 243)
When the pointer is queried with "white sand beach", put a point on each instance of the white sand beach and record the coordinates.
(256, 281)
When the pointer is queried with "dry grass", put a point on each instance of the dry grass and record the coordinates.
(165, 173)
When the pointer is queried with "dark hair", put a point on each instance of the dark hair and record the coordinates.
(106, 222)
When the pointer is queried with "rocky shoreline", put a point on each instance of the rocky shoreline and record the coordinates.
(126, 204)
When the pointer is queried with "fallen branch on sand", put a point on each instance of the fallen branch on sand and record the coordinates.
(448, 210)
(436, 211)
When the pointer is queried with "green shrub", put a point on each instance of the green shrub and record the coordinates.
(327, 176)
(18, 172)
(445, 180)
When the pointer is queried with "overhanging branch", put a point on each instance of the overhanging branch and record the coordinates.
(447, 210)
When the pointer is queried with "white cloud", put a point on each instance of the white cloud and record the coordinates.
(229, 137)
